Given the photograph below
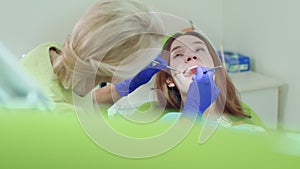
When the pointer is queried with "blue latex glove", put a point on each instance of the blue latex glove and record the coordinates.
(129, 85)
(201, 93)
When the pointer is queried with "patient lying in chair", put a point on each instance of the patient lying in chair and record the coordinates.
(184, 51)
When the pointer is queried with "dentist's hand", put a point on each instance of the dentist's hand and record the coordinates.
(129, 85)
(201, 93)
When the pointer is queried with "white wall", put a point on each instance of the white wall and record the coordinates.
(206, 14)
(268, 31)
(25, 24)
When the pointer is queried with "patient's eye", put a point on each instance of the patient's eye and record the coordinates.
(199, 50)
(178, 55)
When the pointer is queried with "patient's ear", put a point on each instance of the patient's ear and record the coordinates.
(170, 82)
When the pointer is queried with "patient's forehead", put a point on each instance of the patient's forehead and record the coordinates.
(186, 41)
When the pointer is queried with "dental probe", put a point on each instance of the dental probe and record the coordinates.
(154, 63)
(193, 70)
(214, 68)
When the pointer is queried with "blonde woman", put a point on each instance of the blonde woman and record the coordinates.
(104, 40)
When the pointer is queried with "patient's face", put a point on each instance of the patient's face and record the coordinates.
(188, 51)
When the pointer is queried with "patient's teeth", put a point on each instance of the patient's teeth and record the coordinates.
(191, 71)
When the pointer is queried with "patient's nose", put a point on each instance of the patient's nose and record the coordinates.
(191, 58)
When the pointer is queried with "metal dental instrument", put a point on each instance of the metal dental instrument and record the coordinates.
(154, 63)
(193, 70)
(214, 68)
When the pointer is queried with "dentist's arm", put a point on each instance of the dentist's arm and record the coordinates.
(106, 95)
(129, 85)
(112, 93)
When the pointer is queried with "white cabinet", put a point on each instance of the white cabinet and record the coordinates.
(260, 93)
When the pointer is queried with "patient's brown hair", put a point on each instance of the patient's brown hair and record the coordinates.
(228, 94)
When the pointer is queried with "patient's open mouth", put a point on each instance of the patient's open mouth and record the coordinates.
(190, 71)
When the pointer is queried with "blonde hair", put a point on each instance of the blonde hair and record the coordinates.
(108, 34)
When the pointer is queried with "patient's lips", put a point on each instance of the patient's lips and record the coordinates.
(190, 71)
